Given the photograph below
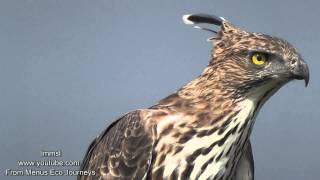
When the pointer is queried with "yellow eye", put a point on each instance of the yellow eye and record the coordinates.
(259, 59)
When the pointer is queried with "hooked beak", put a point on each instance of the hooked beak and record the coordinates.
(301, 71)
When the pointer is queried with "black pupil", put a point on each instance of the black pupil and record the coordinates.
(259, 58)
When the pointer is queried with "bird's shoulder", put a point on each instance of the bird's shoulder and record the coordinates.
(123, 149)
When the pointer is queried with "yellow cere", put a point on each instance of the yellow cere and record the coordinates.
(259, 59)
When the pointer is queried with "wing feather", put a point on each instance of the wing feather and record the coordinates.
(245, 166)
(122, 151)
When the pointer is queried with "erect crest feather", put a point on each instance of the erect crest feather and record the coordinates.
(200, 19)
(195, 19)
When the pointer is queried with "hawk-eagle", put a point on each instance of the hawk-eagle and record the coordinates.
(202, 130)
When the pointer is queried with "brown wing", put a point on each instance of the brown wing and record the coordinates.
(245, 166)
(122, 151)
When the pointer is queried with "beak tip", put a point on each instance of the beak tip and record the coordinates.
(301, 72)
(306, 82)
(306, 75)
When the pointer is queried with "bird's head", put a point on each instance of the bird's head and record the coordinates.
(250, 62)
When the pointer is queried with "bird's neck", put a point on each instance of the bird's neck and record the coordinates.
(209, 102)
(210, 86)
